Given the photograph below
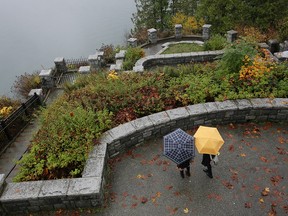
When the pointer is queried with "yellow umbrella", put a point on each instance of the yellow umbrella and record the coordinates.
(208, 140)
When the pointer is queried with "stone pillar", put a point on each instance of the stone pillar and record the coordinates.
(38, 92)
(283, 46)
(95, 61)
(206, 31)
(132, 42)
(47, 80)
(152, 35)
(84, 70)
(273, 46)
(60, 65)
(178, 31)
(232, 36)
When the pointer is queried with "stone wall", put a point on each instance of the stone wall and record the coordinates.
(88, 191)
(174, 59)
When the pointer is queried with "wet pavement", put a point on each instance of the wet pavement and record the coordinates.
(253, 158)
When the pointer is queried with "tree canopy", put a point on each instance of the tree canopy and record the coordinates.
(223, 15)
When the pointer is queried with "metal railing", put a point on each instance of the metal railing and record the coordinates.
(75, 64)
(11, 126)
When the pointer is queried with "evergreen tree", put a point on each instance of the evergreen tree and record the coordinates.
(151, 14)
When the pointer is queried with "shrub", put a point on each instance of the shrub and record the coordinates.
(216, 42)
(283, 29)
(24, 83)
(233, 56)
(109, 53)
(7, 106)
(189, 23)
(61, 147)
(131, 56)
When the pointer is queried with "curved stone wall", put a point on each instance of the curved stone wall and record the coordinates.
(88, 191)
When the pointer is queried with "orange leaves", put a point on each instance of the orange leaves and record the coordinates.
(227, 184)
(282, 140)
(169, 187)
(248, 205)
(257, 67)
(144, 200)
(264, 159)
(281, 151)
(231, 148)
(172, 210)
(215, 196)
(276, 179)
(265, 191)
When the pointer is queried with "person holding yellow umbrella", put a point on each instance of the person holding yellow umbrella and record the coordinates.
(208, 142)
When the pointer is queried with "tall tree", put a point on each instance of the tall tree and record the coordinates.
(151, 13)
(226, 14)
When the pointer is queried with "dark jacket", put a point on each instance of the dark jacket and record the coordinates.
(206, 159)
(184, 164)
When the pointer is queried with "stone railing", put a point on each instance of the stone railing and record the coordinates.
(88, 191)
(174, 59)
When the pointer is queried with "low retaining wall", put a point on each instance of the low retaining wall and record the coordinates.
(88, 191)
(174, 59)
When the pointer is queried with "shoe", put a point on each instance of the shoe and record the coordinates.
(205, 170)
(182, 174)
(210, 176)
(188, 173)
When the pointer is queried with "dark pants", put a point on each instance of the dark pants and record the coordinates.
(209, 169)
(187, 171)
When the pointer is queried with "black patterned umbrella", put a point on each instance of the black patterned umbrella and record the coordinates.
(178, 146)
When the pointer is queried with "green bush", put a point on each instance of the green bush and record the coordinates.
(131, 56)
(233, 56)
(61, 147)
(216, 42)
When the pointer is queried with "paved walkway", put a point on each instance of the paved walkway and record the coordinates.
(254, 157)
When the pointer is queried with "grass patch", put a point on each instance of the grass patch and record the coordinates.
(183, 47)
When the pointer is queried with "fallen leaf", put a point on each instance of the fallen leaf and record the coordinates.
(256, 187)
(125, 194)
(265, 191)
(169, 187)
(227, 184)
(248, 205)
(285, 209)
(276, 179)
(281, 140)
(281, 151)
(144, 200)
(186, 210)
(263, 159)
(158, 194)
(243, 155)
(143, 162)
(177, 193)
(232, 126)
(231, 148)
(261, 200)
(134, 205)
(272, 211)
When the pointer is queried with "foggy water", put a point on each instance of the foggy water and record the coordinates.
(34, 32)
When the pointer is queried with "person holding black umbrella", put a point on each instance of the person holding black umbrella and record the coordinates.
(185, 165)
